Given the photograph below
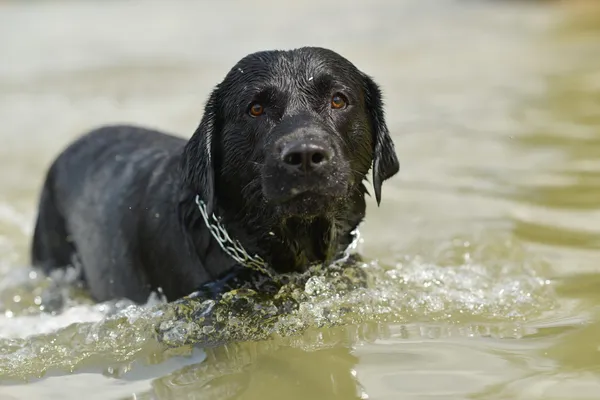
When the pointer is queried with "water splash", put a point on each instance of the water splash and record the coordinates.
(460, 283)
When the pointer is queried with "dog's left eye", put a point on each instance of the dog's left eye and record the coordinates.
(256, 109)
(338, 101)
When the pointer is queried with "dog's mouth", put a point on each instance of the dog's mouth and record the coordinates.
(307, 203)
(310, 195)
(307, 196)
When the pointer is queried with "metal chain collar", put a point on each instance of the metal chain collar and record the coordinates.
(236, 251)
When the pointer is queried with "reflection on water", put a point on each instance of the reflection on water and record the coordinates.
(256, 373)
(484, 280)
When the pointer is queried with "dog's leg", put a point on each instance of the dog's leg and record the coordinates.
(238, 278)
(50, 248)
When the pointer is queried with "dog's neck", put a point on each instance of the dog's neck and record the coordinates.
(286, 245)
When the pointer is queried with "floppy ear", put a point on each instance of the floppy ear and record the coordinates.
(197, 164)
(385, 161)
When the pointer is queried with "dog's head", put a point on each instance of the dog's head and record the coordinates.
(290, 134)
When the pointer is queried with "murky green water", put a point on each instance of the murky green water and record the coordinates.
(481, 272)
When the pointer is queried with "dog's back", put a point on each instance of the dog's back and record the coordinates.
(92, 193)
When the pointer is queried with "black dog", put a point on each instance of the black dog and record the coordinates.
(279, 160)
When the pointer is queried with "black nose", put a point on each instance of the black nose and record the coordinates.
(305, 156)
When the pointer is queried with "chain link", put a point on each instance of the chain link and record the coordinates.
(236, 251)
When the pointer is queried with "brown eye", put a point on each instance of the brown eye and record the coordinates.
(256, 110)
(338, 101)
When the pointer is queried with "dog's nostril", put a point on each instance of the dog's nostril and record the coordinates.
(294, 159)
(317, 158)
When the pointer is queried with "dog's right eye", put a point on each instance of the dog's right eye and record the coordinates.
(256, 109)
(338, 101)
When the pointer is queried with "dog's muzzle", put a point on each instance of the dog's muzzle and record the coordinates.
(305, 162)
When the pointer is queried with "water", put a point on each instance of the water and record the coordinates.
(481, 272)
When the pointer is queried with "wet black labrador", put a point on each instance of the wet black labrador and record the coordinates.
(272, 179)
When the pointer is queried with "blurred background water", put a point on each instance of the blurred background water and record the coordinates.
(483, 257)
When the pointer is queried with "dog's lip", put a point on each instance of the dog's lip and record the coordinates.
(299, 195)
(296, 192)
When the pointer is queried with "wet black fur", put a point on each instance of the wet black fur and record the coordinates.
(120, 200)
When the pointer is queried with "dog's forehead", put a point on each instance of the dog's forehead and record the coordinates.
(292, 65)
